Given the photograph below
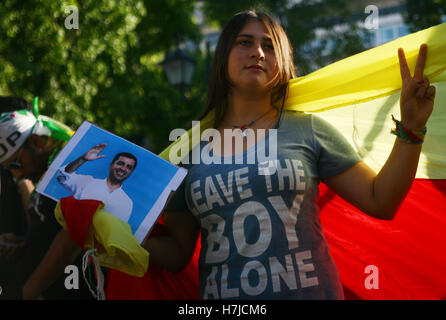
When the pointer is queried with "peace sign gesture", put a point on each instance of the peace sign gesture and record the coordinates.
(417, 95)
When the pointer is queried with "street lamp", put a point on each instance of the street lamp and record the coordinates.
(179, 68)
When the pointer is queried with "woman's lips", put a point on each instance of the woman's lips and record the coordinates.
(255, 67)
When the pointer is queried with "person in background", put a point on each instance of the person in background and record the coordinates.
(29, 141)
(14, 220)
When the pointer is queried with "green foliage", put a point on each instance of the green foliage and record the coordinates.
(105, 71)
(221, 11)
(424, 14)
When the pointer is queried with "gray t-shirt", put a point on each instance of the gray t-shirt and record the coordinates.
(261, 234)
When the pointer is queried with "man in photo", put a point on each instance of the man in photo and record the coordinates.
(108, 190)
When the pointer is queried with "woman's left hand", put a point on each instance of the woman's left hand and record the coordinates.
(417, 95)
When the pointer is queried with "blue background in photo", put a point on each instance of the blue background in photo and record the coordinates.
(145, 184)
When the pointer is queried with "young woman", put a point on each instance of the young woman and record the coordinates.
(261, 235)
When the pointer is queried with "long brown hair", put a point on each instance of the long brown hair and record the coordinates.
(219, 84)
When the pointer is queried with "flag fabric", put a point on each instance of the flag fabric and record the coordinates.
(399, 259)
(16, 126)
(129, 276)
(89, 225)
(157, 283)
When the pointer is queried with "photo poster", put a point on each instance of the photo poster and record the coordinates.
(141, 197)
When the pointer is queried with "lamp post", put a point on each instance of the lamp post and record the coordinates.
(179, 68)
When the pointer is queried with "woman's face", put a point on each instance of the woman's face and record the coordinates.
(252, 63)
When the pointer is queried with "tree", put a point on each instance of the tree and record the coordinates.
(424, 14)
(106, 71)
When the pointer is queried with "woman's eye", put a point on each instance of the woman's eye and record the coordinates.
(244, 42)
(268, 47)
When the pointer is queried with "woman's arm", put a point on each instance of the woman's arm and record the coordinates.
(173, 252)
(381, 195)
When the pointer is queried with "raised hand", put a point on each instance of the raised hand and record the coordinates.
(93, 153)
(417, 95)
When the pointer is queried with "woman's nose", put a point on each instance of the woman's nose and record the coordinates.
(258, 53)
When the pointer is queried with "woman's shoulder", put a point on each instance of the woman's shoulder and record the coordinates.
(306, 124)
(311, 120)
(296, 114)
(296, 118)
